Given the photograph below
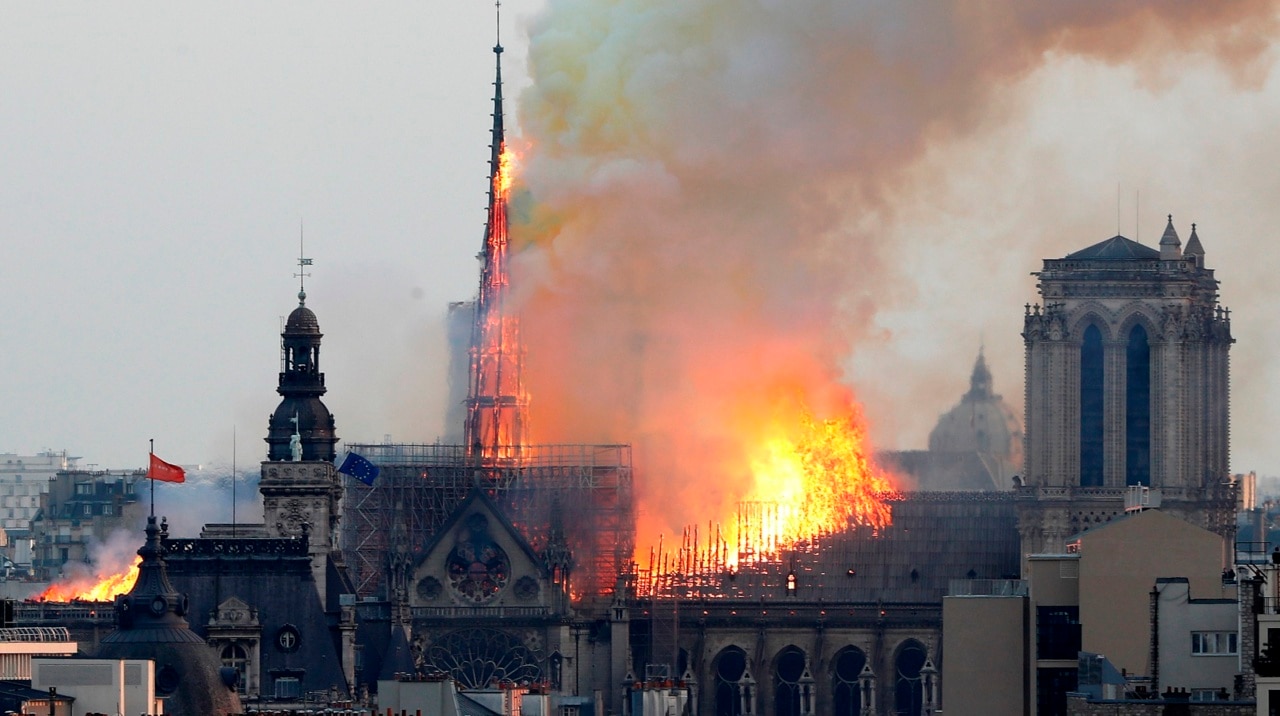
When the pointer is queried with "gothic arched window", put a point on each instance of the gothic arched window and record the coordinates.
(1091, 408)
(731, 664)
(1137, 409)
(846, 696)
(786, 682)
(908, 693)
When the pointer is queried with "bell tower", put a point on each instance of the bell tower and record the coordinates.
(301, 492)
(1126, 389)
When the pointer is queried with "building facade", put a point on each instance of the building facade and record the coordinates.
(1126, 385)
(23, 478)
(79, 510)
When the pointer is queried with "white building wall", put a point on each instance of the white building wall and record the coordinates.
(123, 686)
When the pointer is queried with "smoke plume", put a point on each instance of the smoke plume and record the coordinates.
(708, 183)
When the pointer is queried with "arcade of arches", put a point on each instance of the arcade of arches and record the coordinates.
(845, 684)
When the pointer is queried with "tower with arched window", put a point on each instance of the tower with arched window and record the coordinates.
(1126, 388)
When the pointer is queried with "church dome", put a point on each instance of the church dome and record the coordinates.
(982, 422)
(302, 320)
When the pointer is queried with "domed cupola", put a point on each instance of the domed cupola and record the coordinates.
(301, 427)
(982, 422)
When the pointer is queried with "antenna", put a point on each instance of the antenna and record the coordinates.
(233, 481)
(303, 262)
(497, 17)
(1117, 208)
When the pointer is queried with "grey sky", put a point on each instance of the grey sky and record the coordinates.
(157, 160)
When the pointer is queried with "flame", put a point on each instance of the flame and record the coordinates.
(814, 482)
(506, 170)
(92, 588)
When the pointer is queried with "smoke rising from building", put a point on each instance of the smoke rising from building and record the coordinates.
(709, 186)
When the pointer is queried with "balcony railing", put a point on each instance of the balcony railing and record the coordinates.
(987, 588)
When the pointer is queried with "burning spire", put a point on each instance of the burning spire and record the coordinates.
(497, 405)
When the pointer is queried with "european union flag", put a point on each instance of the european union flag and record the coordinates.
(360, 468)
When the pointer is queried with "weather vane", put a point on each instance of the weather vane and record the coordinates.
(302, 275)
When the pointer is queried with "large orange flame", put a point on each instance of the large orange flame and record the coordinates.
(506, 170)
(816, 481)
(92, 588)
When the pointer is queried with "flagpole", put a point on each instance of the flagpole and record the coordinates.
(150, 479)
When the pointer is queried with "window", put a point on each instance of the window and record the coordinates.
(288, 687)
(84, 488)
(569, 711)
(236, 657)
(108, 509)
(908, 692)
(1137, 422)
(786, 682)
(88, 510)
(1213, 643)
(1058, 633)
(847, 693)
(1091, 408)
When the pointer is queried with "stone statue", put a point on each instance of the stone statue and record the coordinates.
(295, 441)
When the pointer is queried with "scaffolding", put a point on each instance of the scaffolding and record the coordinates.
(385, 526)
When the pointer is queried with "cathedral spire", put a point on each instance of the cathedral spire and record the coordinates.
(497, 405)
(499, 134)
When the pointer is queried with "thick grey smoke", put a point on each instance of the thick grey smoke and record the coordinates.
(713, 185)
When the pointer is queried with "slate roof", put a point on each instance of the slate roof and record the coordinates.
(470, 707)
(1116, 248)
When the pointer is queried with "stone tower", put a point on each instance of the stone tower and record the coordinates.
(1126, 386)
(301, 492)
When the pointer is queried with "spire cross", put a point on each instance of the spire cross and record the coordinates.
(302, 275)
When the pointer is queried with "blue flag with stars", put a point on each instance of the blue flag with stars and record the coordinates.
(360, 468)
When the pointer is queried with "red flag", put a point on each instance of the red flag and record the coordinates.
(163, 471)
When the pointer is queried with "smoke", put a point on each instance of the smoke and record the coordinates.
(206, 497)
(710, 186)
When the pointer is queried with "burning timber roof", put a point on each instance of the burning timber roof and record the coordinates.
(935, 537)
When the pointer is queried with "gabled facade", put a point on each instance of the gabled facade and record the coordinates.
(480, 594)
